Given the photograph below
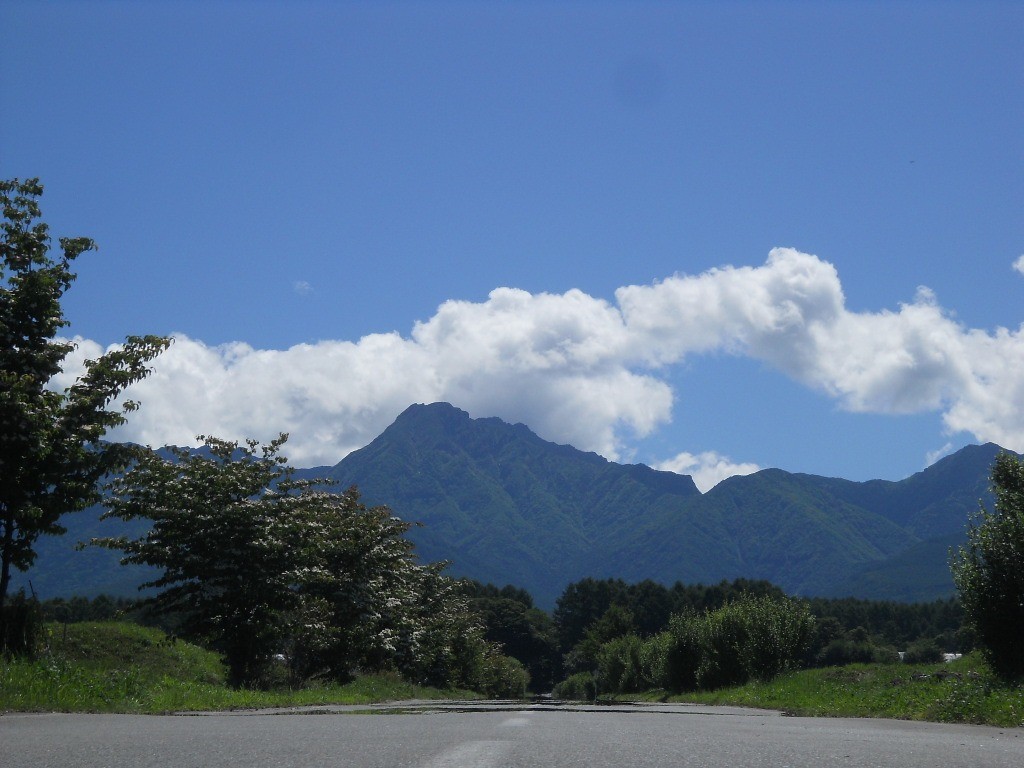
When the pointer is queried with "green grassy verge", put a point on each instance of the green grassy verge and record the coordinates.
(882, 690)
(120, 667)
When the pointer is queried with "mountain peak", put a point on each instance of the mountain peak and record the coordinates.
(436, 411)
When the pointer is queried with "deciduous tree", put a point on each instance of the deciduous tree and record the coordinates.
(233, 537)
(989, 571)
(51, 449)
(258, 563)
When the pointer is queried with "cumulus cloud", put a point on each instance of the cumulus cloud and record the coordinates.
(302, 288)
(590, 372)
(553, 362)
(708, 469)
(1019, 264)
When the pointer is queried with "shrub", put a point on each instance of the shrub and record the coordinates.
(578, 687)
(753, 637)
(654, 654)
(845, 650)
(776, 634)
(923, 652)
(619, 667)
(502, 677)
(684, 652)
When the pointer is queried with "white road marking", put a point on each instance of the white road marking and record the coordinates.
(515, 722)
(472, 754)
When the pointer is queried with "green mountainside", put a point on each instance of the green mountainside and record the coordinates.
(505, 506)
(508, 507)
(502, 504)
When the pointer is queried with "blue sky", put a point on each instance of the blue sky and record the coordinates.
(557, 213)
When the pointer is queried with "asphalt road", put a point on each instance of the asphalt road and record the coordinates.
(493, 735)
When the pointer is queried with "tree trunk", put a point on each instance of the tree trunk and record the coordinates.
(6, 556)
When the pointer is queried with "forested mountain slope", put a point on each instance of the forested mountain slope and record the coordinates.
(506, 506)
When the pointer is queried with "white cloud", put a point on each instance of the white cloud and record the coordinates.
(708, 469)
(552, 362)
(302, 288)
(1019, 264)
(585, 371)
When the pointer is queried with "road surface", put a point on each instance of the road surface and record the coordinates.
(496, 735)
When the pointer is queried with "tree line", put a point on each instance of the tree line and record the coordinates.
(592, 613)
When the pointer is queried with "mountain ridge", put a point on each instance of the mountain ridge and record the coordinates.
(504, 505)
(810, 534)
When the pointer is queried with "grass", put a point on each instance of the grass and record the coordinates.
(121, 667)
(882, 690)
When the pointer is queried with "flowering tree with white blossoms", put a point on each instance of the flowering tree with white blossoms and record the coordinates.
(258, 563)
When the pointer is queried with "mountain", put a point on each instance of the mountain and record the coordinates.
(506, 506)
(502, 504)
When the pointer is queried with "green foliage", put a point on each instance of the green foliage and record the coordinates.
(683, 646)
(522, 631)
(843, 651)
(750, 638)
(581, 604)
(614, 623)
(989, 571)
(51, 449)
(654, 660)
(117, 667)
(620, 667)
(361, 590)
(502, 677)
(476, 590)
(894, 623)
(753, 637)
(923, 652)
(259, 564)
(434, 636)
(964, 691)
(124, 645)
(578, 687)
(846, 631)
(230, 535)
(650, 604)
(78, 609)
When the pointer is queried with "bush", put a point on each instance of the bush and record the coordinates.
(751, 638)
(724, 634)
(778, 633)
(502, 677)
(654, 653)
(578, 687)
(619, 667)
(923, 652)
(845, 650)
(684, 652)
